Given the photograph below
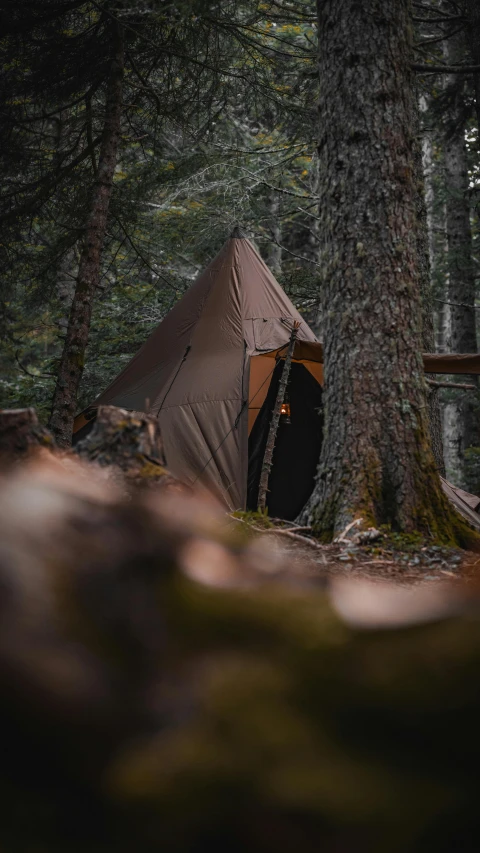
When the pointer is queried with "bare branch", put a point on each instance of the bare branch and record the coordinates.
(459, 304)
(446, 69)
(464, 385)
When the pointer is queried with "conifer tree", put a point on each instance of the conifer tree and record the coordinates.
(376, 461)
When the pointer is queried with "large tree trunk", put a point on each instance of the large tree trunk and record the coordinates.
(72, 361)
(376, 460)
(462, 426)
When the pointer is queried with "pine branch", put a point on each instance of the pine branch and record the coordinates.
(31, 206)
(438, 20)
(458, 304)
(437, 39)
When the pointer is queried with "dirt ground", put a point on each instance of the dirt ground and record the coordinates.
(381, 562)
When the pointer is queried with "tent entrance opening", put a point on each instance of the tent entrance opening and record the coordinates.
(297, 446)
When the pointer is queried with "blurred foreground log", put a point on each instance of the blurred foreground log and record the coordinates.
(166, 685)
(21, 433)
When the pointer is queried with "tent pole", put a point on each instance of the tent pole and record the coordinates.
(272, 432)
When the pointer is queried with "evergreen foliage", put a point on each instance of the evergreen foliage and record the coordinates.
(219, 126)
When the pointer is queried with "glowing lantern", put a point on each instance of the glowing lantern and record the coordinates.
(285, 412)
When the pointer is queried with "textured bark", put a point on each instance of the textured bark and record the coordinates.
(73, 356)
(272, 433)
(376, 459)
(66, 277)
(462, 426)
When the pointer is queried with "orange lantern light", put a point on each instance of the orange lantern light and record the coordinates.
(285, 413)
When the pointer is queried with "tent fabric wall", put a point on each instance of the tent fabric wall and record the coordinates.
(261, 372)
(465, 503)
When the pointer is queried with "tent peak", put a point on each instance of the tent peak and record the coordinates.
(238, 234)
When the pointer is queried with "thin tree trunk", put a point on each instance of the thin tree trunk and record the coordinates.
(429, 176)
(72, 361)
(272, 433)
(436, 227)
(424, 270)
(376, 460)
(274, 259)
(66, 277)
(462, 421)
(437, 250)
(314, 316)
(473, 37)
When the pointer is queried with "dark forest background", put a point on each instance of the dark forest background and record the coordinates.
(218, 127)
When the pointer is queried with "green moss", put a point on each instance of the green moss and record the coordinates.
(256, 518)
(150, 471)
(323, 519)
(402, 541)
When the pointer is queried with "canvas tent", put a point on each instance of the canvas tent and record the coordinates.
(209, 373)
(205, 373)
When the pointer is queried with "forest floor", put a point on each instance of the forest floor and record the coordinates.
(380, 562)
